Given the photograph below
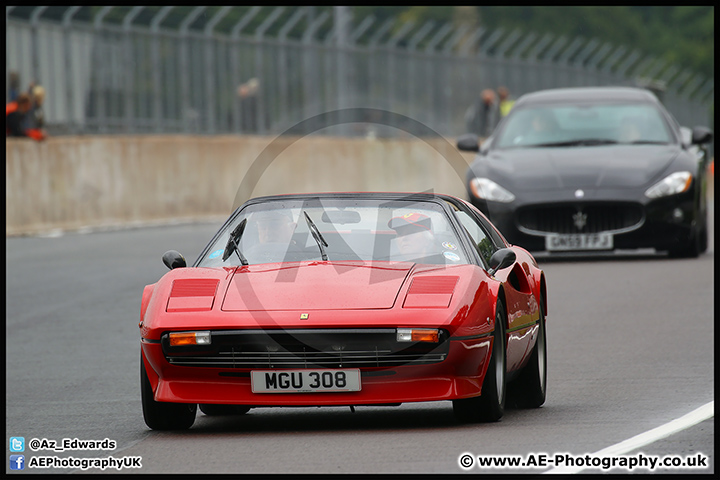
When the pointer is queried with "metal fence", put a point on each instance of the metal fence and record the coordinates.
(133, 70)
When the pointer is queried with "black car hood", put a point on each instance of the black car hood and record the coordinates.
(608, 166)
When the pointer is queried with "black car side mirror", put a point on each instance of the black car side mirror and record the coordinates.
(173, 259)
(701, 135)
(468, 142)
(503, 258)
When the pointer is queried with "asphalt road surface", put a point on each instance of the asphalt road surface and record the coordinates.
(630, 348)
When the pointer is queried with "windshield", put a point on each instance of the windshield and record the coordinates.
(349, 229)
(583, 124)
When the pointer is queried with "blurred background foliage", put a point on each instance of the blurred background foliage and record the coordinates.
(682, 35)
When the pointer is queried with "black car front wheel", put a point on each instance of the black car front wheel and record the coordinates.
(704, 238)
(163, 415)
(692, 248)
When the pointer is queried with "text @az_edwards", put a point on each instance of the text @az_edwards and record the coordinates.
(69, 444)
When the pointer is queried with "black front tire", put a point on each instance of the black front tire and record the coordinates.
(490, 405)
(691, 250)
(704, 238)
(529, 389)
(163, 415)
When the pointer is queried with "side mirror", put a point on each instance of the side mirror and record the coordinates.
(503, 258)
(468, 142)
(173, 259)
(701, 135)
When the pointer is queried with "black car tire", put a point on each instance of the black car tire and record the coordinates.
(529, 389)
(704, 238)
(163, 415)
(490, 405)
(221, 410)
(692, 249)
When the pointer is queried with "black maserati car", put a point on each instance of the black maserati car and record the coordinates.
(593, 169)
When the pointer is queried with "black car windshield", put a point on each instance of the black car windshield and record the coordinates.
(583, 125)
(350, 229)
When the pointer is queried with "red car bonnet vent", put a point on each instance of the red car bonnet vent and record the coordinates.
(192, 295)
(427, 292)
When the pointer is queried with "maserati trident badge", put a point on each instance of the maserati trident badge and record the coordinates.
(580, 220)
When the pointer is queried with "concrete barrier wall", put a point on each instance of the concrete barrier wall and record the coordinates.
(72, 183)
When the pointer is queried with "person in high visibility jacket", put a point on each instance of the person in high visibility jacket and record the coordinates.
(505, 102)
(15, 118)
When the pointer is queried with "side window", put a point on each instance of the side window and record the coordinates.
(481, 241)
(494, 234)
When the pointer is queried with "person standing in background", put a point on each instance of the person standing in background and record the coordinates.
(13, 86)
(247, 94)
(481, 117)
(36, 115)
(16, 114)
(506, 103)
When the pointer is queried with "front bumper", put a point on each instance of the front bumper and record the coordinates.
(459, 375)
(662, 224)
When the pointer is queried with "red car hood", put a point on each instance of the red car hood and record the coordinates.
(315, 286)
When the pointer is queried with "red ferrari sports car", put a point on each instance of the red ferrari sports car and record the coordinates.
(345, 299)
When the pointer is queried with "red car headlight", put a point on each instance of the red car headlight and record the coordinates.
(418, 335)
(189, 338)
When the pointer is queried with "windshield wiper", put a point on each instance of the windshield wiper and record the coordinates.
(317, 236)
(572, 143)
(234, 241)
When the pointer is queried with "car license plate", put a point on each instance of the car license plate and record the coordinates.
(305, 381)
(580, 241)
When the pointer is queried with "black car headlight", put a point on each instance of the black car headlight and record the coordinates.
(673, 184)
(488, 190)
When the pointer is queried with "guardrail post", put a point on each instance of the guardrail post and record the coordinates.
(415, 105)
(36, 42)
(69, 90)
(311, 68)
(514, 66)
(155, 54)
(261, 114)
(129, 70)
(100, 70)
(391, 48)
(376, 61)
(283, 75)
(212, 92)
(244, 21)
(189, 115)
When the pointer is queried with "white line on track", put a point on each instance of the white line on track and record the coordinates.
(686, 421)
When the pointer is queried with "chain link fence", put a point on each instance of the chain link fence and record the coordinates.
(260, 70)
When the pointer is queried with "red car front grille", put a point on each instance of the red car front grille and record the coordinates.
(322, 348)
